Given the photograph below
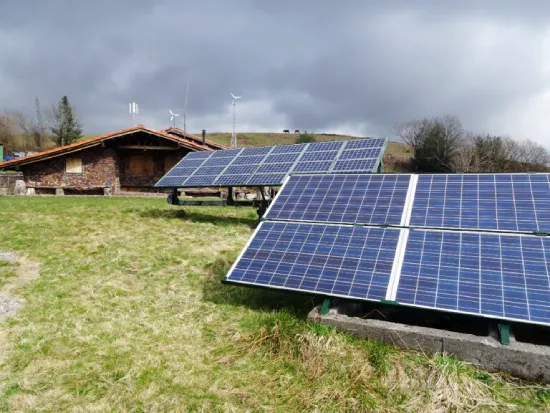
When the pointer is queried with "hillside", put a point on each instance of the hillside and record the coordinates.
(396, 159)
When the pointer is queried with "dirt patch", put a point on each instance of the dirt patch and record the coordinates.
(26, 271)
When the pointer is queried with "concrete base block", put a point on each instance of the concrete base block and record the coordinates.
(528, 361)
(31, 192)
(59, 192)
(4, 191)
(107, 191)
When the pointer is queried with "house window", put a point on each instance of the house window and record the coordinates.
(141, 165)
(170, 161)
(73, 166)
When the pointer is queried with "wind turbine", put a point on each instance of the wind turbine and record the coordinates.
(234, 135)
(173, 117)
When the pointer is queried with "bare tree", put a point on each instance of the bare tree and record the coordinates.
(413, 132)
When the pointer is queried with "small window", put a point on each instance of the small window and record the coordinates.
(141, 165)
(74, 166)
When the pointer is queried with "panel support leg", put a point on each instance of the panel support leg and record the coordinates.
(325, 306)
(230, 200)
(173, 197)
(504, 334)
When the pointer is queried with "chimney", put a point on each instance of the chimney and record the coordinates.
(204, 137)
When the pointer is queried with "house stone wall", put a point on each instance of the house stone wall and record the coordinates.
(99, 170)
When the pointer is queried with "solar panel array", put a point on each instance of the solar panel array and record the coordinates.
(476, 255)
(269, 165)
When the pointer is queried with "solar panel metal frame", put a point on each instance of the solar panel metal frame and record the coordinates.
(278, 150)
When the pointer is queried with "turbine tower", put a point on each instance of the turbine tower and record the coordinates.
(173, 117)
(134, 111)
(234, 135)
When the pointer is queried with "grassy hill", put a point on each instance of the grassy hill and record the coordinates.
(396, 159)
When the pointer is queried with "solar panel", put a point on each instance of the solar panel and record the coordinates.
(172, 181)
(231, 180)
(274, 167)
(288, 148)
(493, 275)
(366, 199)
(359, 153)
(280, 161)
(287, 157)
(266, 179)
(327, 146)
(319, 156)
(241, 169)
(355, 165)
(353, 262)
(200, 180)
(312, 167)
(226, 153)
(506, 202)
(217, 161)
(209, 170)
(365, 143)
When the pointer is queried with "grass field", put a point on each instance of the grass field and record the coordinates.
(129, 315)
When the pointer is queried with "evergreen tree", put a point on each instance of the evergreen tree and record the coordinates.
(66, 129)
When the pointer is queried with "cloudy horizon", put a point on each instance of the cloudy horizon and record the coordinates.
(351, 67)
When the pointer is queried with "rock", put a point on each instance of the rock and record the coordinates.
(20, 188)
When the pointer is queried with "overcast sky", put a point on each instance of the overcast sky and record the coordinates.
(348, 66)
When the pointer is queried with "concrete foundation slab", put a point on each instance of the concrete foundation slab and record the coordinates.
(525, 360)
(59, 192)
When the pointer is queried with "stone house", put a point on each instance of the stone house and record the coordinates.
(130, 160)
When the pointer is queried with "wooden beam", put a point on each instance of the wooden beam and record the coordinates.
(148, 147)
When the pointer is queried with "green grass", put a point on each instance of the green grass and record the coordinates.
(129, 315)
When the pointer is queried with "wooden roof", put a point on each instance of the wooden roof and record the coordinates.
(88, 143)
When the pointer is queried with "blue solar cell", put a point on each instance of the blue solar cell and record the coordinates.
(288, 148)
(217, 162)
(493, 275)
(366, 143)
(288, 157)
(189, 163)
(356, 165)
(248, 160)
(256, 151)
(353, 262)
(232, 180)
(177, 171)
(325, 146)
(365, 199)
(312, 167)
(241, 169)
(319, 156)
(274, 167)
(266, 179)
(226, 153)
(198, 155)
(506, 202)
(171, 181)
(360, 153)
(209, 170)
(201, 180)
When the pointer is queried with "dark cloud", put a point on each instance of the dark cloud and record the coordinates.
(322, 65)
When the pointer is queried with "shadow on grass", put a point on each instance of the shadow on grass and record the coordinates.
(197, 217)
(254, 298)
